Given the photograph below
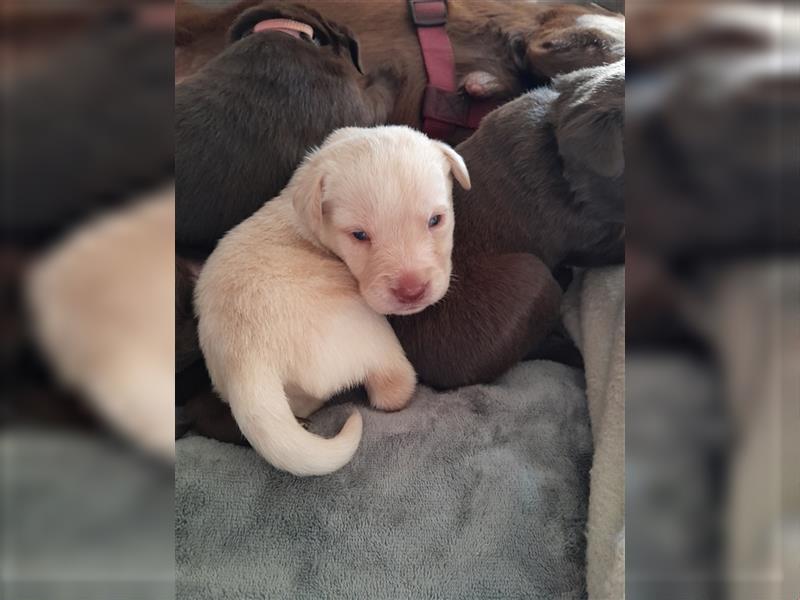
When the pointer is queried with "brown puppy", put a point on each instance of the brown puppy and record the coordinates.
(244, 121)
(501, 48)
(547, 172)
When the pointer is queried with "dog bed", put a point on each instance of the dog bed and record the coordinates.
(476, 493)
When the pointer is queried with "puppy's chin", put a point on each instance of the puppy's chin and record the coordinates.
(403, 310)
(389, 306)
(383, 302)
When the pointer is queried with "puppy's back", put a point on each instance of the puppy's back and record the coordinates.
(244, 122)
(260, 279)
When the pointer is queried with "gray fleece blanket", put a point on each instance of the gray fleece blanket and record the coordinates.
(476, 493)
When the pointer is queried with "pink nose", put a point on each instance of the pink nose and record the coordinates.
(409, 289)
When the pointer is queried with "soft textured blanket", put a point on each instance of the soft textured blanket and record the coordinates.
(477, 493)
(83, 518)
(594, 314)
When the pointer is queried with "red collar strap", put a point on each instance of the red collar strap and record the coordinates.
(444, 109)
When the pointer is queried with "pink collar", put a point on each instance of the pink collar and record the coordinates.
(287, 26)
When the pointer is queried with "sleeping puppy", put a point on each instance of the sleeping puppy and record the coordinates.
(290, 303)
(547, 172)
(244, 121)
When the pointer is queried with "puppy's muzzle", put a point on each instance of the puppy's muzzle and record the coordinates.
(410, 288)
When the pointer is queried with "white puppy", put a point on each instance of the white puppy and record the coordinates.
(102, 309)
(290, 303)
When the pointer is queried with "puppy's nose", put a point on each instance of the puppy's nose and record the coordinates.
(409, 288)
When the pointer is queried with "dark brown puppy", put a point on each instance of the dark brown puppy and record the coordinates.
(246, 119)
(547, 172)
(501, 48)
(90, 118)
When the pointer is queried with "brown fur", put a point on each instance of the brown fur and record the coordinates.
(245, 120)
(520, 44)
(497, 304)
(524, 215)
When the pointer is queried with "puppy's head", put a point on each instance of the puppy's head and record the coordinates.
(327, 34)
(567, 38)
(381, 200)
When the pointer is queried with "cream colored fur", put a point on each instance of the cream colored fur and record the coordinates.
(594, 315)
(101, 304)
(291, 304)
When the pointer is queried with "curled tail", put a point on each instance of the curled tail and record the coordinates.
(262, 411)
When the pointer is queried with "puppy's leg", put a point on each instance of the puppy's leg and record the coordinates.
(391, 386)
(373, 357)
(480, 84)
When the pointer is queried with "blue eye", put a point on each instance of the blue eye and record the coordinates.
(361, 236)
(434, 220)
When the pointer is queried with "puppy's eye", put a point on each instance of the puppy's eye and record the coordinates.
(434, 221)
(361, 236)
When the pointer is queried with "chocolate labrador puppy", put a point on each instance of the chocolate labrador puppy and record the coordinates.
(246, 119)
(547, 180)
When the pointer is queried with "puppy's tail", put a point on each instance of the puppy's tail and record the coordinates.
(262, 411)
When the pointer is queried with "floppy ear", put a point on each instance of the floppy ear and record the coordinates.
(588, 120)
(518, 47)
(355, 55)
(457, 166)
(589, 114)
(306, 190)
(347, 40)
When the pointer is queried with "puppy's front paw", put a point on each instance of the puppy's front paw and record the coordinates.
(480, 84)
(391, 390)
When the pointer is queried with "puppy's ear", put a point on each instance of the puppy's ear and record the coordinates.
(589, 114)
(306, 190)
(457, 166)
(518, 48)
(347, 41)
(588, 120)
(561, 49)
(355, 55)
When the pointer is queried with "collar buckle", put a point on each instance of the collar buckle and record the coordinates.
(428, 13)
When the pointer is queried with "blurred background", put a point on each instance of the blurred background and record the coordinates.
(713, 300)
(86, 272)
